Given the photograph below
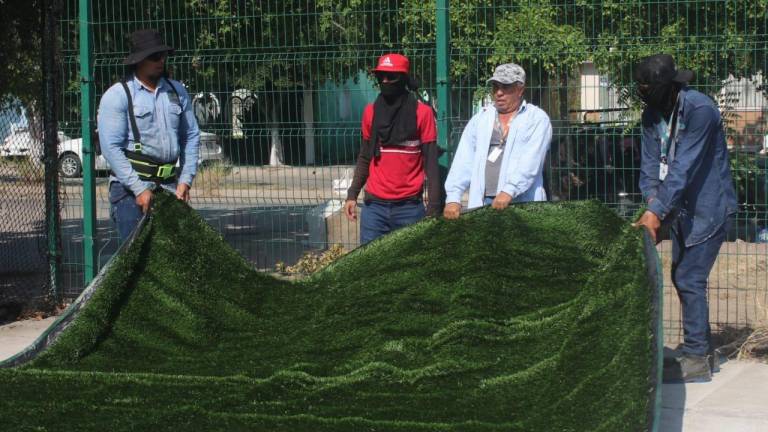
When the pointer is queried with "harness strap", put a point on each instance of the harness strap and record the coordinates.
(132, 118)
(132, 115)
(147, 167)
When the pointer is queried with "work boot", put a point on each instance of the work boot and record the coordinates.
(688, 368)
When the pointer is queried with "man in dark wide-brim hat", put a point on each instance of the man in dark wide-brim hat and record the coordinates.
(686, 181)
(146, 128)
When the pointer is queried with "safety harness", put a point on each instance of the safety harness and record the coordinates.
(147, 167)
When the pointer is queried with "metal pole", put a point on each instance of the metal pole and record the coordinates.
(443, 82)
(442, 79)
(50, 147)
(89, 188)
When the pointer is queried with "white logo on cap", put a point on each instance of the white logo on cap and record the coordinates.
(386, 62)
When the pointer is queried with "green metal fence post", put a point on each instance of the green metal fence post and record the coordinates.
(89, 188)
(443, 82)
(51, 13)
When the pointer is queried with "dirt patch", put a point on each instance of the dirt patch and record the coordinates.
(738, 289)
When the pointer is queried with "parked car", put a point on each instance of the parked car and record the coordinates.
(21, 144)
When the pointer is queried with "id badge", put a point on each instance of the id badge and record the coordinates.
(663, 170)
(495, 153)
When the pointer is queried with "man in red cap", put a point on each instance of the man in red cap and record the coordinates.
(398, 152)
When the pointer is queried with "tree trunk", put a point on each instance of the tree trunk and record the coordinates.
(275, 145)
(35, 125)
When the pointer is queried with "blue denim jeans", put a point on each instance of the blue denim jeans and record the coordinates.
(690, 271)
(378, 218)
(124, 211)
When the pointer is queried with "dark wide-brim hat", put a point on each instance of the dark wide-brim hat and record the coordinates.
(144, 43)
(660, 69)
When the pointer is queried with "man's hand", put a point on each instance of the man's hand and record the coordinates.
(650, 221)
(350, 210)
(501, 201)
(452, 210)
(144, 200)
(182, 192)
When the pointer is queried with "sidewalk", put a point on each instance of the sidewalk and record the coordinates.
(735, 401)
(14, 337)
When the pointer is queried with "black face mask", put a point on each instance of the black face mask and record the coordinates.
(391, 88)
(659, 97)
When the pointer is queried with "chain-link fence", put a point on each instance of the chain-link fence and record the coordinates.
(278, 88)
(24, 273)
(29, 239)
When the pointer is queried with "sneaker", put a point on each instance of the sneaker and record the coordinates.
(687, 369)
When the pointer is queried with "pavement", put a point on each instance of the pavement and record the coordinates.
(736, 400)
(16, 336)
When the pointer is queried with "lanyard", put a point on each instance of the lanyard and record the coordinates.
(667, 134)
(504, 132)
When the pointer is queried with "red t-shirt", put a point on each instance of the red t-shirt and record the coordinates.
(399, 172)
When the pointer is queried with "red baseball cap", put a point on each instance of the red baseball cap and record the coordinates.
(393, 63)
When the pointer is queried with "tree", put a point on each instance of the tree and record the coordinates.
(715, 39)
(282, 50)
(21, 76)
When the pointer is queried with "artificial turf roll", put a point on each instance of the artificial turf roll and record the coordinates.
(536, 318)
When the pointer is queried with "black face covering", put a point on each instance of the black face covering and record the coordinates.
(394, 120)
(394, 112)
(660, 96)
(393, 89)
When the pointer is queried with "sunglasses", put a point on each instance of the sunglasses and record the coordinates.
(495, 86)
(389, 76)
(156, 57)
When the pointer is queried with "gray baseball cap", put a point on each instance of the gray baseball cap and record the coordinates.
(508, 73)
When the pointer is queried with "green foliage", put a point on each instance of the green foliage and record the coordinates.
(565, 44)
(278, 48)
(535, 318)
(551, 39)
(749, 179)
(707, 37)
(20, 51)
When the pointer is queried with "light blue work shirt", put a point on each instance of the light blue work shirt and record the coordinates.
(167, 126)
(522, 165)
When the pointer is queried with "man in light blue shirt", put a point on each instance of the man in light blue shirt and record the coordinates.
(501, 154)
(146, 125)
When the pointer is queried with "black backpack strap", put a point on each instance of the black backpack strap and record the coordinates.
(132, 117)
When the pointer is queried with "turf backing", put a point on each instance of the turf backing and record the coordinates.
(537, 318)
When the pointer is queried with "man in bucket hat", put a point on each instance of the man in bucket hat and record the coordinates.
(398, 152)
(146, 125)
(686, 181)
(500, 156)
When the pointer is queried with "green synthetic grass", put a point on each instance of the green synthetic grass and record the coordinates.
(537, 318)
